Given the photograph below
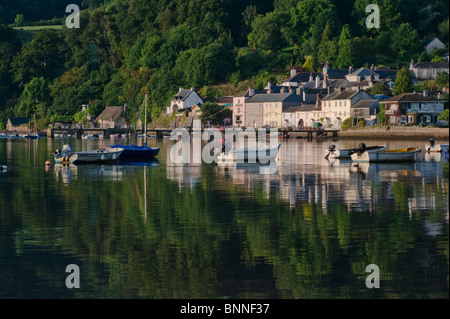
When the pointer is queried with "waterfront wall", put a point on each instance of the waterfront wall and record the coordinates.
(396, 132)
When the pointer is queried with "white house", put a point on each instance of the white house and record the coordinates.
(304, 116)
(184, 100)
(433, 43)
(288, 118)
(337, 106)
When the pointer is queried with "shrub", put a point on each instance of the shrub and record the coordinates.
(347, 124)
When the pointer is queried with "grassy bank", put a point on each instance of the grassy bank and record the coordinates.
(396, 132)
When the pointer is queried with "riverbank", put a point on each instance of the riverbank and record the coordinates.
(396, 132)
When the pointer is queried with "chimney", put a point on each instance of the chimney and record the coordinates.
(329, 90)
(282, 90)
(290, 89)
(298, 91)
(317, 82)
(192, 89)
(269, 88)
(293, 72)
(311, 79)
(180, 89)
(251, 91)
(325, 81)
(350, 69)
(425, 93)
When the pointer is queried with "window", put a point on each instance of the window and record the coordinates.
(424, 73)
(434, 72)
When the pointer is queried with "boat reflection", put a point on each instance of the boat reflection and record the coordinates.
(70, 172)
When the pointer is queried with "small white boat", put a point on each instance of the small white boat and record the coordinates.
(87, 136)
(3, 168)
(432, 147)
(409, 154)
(248, 155)
(66, 155)
(346, 153)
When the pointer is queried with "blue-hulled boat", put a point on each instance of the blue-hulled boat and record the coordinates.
(136, 152)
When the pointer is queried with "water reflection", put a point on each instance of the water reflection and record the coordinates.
(152, 230)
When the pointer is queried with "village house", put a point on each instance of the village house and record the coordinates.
(238, 119)
(266, 109)
(184, 100)
(433, 43)
(304, 115)
(18, 124)
(337, 106)
(288, 117)
(426, 70)
(413, 108)
(113, 117)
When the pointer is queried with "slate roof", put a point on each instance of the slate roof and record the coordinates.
(364, 104)
(245, 93)
(183, 94)
(336, 73)
(364, 72)
(292, 109)
(274, 97)
(411, 97)
(304, 77)
(17, 121)
(307, 107)
(435, 65)
(344, 95)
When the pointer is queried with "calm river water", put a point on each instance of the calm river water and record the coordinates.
(161, 231)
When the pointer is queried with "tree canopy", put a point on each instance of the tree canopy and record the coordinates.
(124, 47)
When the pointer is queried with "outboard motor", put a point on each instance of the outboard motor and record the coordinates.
(331, 149)
(432, 143)
(361, 148)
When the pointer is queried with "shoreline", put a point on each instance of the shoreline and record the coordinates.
(394, 132)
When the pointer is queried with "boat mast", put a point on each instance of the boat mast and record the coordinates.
(145, 121)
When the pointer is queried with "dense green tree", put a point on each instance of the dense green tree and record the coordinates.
(44, 57)
(405, 40)
(267, 31)
(403, 82)
(35, 98)
(9, 46)
(442, 79)
(346, 48)
(380, 88)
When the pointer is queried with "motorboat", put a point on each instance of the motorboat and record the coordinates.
(408, 154)
(346, 153)
(67, 155)
(248, 155)
(432, 147)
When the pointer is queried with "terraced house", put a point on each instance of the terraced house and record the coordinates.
(266, 109)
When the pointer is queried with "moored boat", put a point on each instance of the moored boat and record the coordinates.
(136, 152)
(409, 154)
(432, 147)
(248, 155)
(66, 155)
(346, 153)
